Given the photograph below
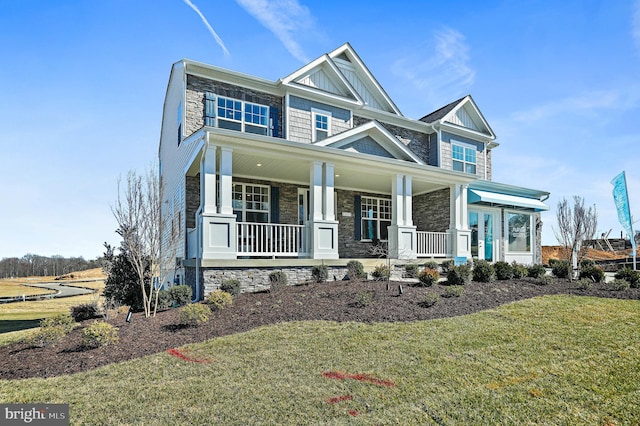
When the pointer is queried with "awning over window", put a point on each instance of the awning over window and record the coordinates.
(478, 196)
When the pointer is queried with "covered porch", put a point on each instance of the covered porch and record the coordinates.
(250, 196)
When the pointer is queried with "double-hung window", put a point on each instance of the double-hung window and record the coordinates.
(234, 114)
(321, 123)
(251, 202)
(376, 217)
(464, 157)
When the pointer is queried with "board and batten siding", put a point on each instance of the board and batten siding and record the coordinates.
(301, 120)
(446, 156)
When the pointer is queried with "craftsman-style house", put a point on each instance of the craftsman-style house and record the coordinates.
(320, 165)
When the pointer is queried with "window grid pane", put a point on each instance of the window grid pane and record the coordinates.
(256, 114)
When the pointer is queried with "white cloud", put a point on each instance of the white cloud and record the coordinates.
(582, 104)
(442, 72)
(209, 27)
(286, 19)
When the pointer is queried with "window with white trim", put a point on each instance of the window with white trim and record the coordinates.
(234, 114)
(519, 232)
(464, 157)
(321, 124)
(251, 202)
(376, 217)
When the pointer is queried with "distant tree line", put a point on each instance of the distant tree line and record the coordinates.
(42, 266)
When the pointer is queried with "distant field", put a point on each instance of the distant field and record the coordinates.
(10, 288)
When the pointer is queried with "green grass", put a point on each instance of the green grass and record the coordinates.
(553, 360)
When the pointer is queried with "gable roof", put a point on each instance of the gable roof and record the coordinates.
(462, 115)
(342, 73)
(372, 131)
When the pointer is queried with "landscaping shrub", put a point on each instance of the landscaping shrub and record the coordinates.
(618, 285)
(99, 334)
(196, 313)
(428, 277)
(180, 294)
(519, 271)
(355, 270)
(412, 270)
(584, 284)
(122, 285)
(218, 300)
(544, 280)
(592, 272)
(431, 264)
(363, 299)
(165, 301)
(453, 291)
(320, 273)
(631, 276)
(429, 299)
(231, 286)
(52, 330)
(446, 266)
(459, 275)
(483, 271)
(587, 263)
(381, 272)
(536, 271)
(560, 268)
(504, 271)
(277, 279)
(84, 311)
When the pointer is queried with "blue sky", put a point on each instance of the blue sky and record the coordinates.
(82, 85)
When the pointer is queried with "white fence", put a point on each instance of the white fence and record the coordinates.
(432, 244)
(271, 239)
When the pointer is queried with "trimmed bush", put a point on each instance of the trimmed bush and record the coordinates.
(428, 277)
(453, 291)
(320, 273)
(52, 330)
(355, 270)
(618, 285)
(99, 334)
(483, 271)
(446, 266)
(381, 272)
(629, 275)
(584, 284)
(587, 263)
(231, 286)
(519, 271)
(364, 298)
(277, 280)
(412, 270)
(84, 311)
(544, 280)
(536, 271)
(218, 300)
(180, 294)
(429, 299)
(504, 271)
(459, 275)
(165, 301)
(196, 313)
(431, 264)
(593, 272)
(560, 268)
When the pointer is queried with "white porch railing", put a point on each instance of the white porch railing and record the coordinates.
(271, 239)
(432, 244)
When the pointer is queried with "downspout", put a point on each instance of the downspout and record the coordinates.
(198, 250)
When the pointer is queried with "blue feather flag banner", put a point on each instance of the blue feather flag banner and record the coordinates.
(621, 199)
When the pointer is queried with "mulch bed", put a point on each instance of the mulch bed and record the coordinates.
(331, 301)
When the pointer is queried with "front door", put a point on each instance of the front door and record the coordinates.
(482, 226)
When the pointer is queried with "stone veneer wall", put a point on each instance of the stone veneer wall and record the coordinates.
(417, 142)
(195, 100)
(431, 211)
(348, 247)
(192, 200)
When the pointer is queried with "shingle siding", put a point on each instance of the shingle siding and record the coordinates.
(300, 120)
(447, 161)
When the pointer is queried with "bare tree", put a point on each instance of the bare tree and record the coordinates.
(575, 225)
(137, 211)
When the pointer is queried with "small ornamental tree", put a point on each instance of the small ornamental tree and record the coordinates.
(575, 225)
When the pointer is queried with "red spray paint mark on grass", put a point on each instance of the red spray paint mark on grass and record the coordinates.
(338, 375)
(354, 413)
(175, 352)
(340, 398)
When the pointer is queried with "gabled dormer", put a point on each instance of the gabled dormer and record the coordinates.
(462, 117)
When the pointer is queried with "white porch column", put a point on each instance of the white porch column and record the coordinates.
(218, 223)
(323, 226)
(402, 233)
(459, 232)
(208, 196)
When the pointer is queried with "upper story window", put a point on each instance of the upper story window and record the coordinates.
(321, 123)
(376, 217)
(464, 157)
(234, 114)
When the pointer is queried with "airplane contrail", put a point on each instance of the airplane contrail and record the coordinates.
(209, 27)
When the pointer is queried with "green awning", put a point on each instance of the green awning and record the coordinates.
(486, 197)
